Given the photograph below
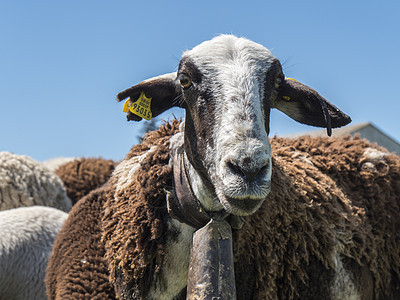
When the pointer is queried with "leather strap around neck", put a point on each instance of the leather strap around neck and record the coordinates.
(184, 205)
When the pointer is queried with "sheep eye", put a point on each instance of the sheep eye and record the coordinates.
(185, 81)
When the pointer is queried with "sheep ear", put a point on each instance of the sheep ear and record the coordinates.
(306, 106)
(161, 91)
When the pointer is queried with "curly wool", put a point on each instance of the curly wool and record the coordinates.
(370, 177)
(308, 216)
(80, 176)
(26, 182)
(77, 268)
(332, 204)
(304, 221)
(134, 225)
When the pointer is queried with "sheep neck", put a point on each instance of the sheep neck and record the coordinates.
(211, 269)
(184, 205)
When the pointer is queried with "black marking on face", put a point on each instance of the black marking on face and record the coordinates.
(270, 88)
(199, 124)
(188, 67)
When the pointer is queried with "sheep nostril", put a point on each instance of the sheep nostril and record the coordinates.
(235, 169)
(247, 174)
(251, 175)
(264, 168)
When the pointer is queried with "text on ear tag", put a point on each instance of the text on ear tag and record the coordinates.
(141, 107)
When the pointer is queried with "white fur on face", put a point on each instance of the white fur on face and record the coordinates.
(236, 68)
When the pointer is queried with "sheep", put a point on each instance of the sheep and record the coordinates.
(307, 232)
(26, 182)
(54, 163)
(80, 176)
(27, 236)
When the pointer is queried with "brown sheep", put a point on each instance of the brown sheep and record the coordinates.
(304, 235)
(325, 210)
(80, 176)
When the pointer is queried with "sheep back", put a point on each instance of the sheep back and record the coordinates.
(76, 268)
(26, 182)
(54, 163)
(80, 176)
(369, 176)
(27, 236)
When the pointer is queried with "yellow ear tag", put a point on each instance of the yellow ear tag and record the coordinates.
(127, 104)
(141, 107)
(287, 98)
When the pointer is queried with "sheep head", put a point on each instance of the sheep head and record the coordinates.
(228, 86)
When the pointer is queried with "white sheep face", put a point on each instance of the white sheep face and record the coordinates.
(226, 103)
(227, 86)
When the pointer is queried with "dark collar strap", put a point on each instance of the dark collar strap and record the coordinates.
(184, 205)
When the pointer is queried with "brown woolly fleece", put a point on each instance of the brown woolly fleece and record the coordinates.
(327, 197)
(135, 222)
(310, 213)
(83, 175)
(372, 184)
(77, 267)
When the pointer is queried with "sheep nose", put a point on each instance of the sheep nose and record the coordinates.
(247, 172)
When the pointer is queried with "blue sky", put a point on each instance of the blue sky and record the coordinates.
(63, 62)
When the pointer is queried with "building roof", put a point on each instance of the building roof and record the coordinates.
(366, 130)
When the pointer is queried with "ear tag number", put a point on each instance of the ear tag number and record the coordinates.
(141, 107)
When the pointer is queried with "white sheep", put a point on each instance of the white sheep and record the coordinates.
(27, 235)
(54, 163)
(26, 182)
